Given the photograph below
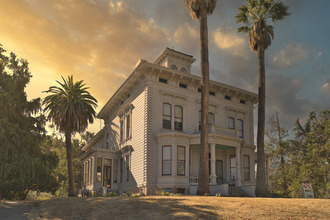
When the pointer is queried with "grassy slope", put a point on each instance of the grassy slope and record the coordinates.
(185, 207)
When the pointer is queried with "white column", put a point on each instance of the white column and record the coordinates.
(238, 167)
(213, 159)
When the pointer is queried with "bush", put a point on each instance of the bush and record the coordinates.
(111, 194)
(218, 195)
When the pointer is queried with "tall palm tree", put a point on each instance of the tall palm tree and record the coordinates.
(70, 107)
(199, 9)
(254, 16)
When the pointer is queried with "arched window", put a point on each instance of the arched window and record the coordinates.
(178, 118)
(167, 115)
(231, 123)
(183, 70)
(240, 127)
(173, 67)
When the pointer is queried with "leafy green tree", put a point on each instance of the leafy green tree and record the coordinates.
(278, 147)
(70, 107)
(199, 9)
(254, 16)
(56, 144)
(24, 164)
(310, 155)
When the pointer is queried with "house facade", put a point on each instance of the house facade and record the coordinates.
(151, 135)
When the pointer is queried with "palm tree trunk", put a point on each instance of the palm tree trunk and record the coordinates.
(70, 163)
(203, 184)
(261, 180)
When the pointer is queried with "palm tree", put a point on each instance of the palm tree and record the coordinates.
(70, 107)
(199, 9)
(254, 16)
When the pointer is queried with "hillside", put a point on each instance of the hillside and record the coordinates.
(183, 207)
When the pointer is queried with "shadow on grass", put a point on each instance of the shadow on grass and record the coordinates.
(125, 208)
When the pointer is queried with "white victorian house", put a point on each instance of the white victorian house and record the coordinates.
(150, 139)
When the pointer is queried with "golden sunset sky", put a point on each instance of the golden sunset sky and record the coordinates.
(100, 41)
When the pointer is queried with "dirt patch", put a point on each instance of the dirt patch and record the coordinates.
(185, 207)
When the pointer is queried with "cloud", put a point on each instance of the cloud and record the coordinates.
(97, 41)
(187, 36)
(290, 55)
(226, 39)
(325, 89)
(283, 95)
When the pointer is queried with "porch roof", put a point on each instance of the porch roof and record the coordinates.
(217, 146)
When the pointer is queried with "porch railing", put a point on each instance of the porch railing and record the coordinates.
(195, 179)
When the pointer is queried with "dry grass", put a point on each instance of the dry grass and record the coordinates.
(185, 207)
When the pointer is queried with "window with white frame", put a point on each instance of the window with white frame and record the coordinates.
(122, 130)
(167, 160)
(240, 128)
(99, 170)
(127, 168)
(167, 115)
(181, 161)
(178, 118)
(115, 170)
(231, 123)
(128, 126)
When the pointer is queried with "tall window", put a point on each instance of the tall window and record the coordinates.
(181, 161)
(115, 170)
(166, 160)
(178, 118)
(167, 115)
(210, 119)
(246, 163)
(99, 170)
(231, 123)
(121, 130)
(128, 126)
(91, 172)
(121, 169)
(127, 168)
(107, 173)
(233, 173)
(240, 126)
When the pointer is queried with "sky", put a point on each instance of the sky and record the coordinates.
(100, 41)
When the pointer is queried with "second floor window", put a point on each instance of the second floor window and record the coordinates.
(121, 130)
(128, 126)
(178, 118)
(167, 115)
(231, 123)
(240, 127)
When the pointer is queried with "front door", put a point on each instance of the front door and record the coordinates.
(107, 177)
(219, 171)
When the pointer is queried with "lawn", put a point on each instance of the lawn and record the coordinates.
(181, 207)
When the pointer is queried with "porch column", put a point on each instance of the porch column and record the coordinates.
(213, 159)
(238, 180)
